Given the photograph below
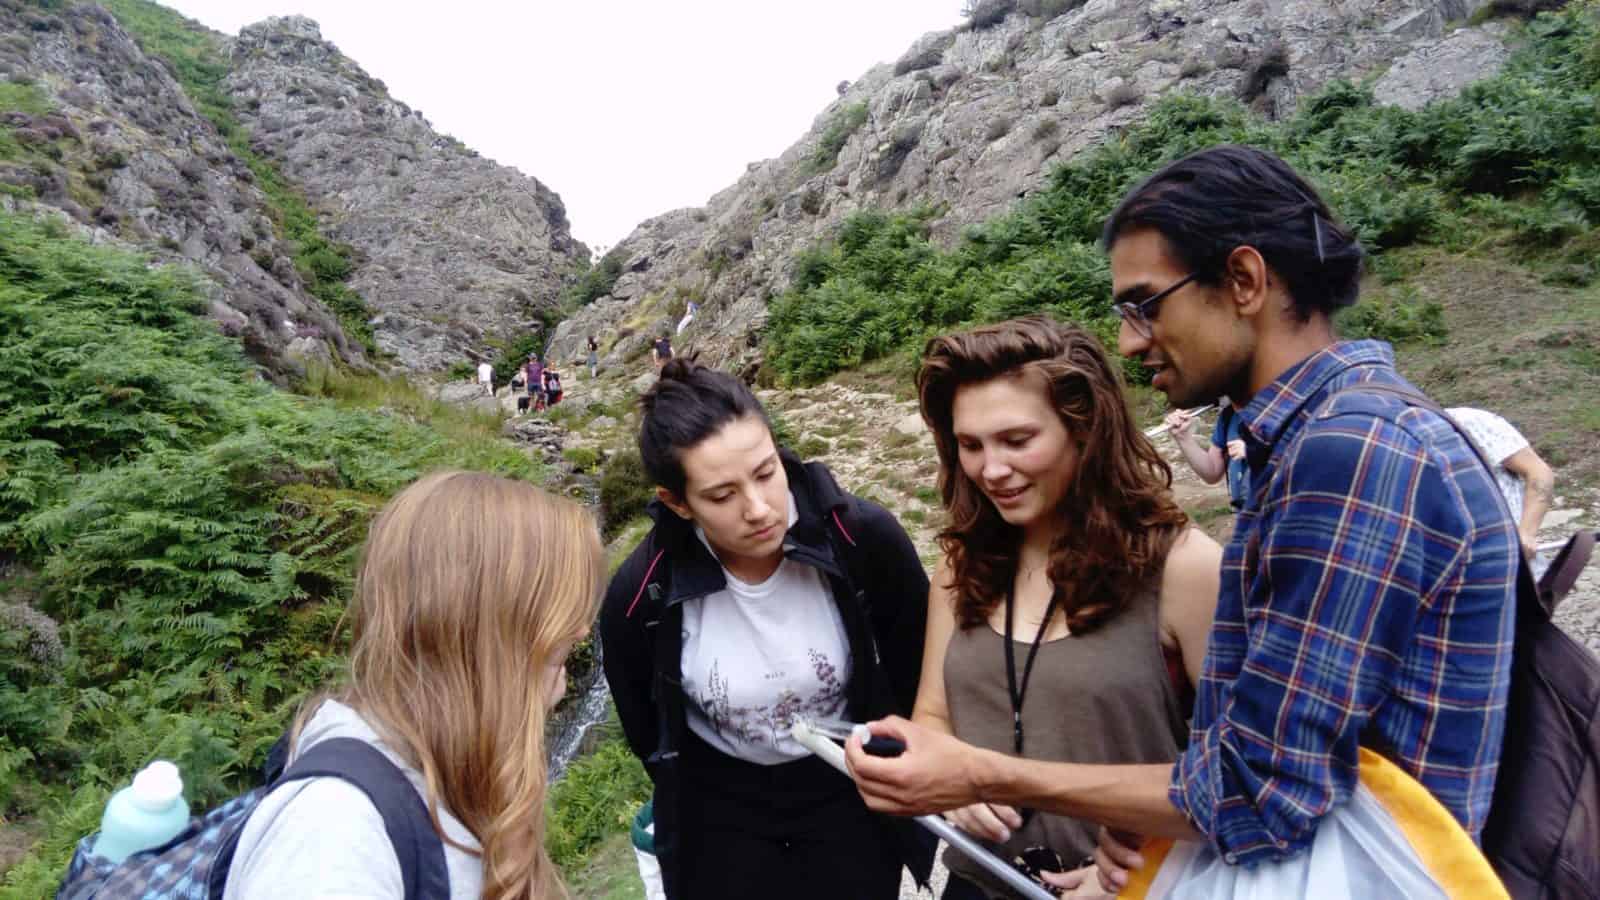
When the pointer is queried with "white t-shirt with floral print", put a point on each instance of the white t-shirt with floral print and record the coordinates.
(758, 656)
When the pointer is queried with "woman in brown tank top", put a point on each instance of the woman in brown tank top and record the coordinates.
(1069, 616)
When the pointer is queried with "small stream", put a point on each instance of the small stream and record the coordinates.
(575, 721)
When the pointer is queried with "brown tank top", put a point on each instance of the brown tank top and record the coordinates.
(1102, 696)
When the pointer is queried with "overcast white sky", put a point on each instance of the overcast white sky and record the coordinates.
(626, 108)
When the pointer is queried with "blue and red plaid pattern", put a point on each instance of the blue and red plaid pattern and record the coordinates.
(1368, 599)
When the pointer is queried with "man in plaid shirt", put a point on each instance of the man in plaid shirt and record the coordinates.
(1368, 591)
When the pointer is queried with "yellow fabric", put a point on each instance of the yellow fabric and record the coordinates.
(1155, 853)
(1444, 847)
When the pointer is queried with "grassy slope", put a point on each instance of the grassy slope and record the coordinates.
(192, 530)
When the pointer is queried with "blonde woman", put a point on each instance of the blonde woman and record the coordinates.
(472, 592)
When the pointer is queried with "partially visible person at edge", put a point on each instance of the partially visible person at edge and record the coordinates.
(661, 350)
(764, 593)
(472, 591)
(1525, 479)
(1063, 539)
(1367, 591)
(1225, 456)
(594, 358)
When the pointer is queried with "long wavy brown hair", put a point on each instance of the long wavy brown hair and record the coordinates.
(1118, 518)
(469, 586)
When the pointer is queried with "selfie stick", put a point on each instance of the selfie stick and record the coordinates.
(1163, 427)
(833, 755)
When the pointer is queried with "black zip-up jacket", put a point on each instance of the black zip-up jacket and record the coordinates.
(875, 578)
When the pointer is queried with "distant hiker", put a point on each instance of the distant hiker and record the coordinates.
(1225, 456)
(414, 778)
(594, 358)
(688, 316)
(533, 370)
(1525, 480)
(552, 387)
(486, 377)
(661, 350)
(763, 593)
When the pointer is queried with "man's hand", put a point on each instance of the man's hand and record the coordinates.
(1179, 421)
(1115, 858)
(1236, 449)
(990, 821)
(932, 775)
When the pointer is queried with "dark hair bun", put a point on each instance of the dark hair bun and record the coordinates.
(685, 405)
(679, 368)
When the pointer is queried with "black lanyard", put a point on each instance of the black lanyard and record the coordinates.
(1027, 669)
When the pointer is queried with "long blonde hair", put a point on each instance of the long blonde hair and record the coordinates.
(469, 585)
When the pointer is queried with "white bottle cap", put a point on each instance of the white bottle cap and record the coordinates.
(157, 786)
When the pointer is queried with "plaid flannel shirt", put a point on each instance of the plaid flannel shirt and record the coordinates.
(1368, 598)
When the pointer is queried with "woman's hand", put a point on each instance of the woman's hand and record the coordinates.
(990, 821)
(1080, 883)
(1179, 421)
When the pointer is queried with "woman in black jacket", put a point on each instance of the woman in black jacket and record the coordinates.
(763, 594)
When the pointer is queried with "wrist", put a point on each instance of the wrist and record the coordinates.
(983, 775)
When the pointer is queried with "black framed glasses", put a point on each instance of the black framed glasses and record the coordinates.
(1140, 315)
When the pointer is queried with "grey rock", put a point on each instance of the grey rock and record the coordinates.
(911, 425)
(601, 423)
(931, 136)
(1436, 70)
(643, 382)
(452, 248)
(154, 174)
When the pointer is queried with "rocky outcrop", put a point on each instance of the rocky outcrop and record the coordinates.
(968, 121)
(104, 134)
(1435, 70)
(452, 248)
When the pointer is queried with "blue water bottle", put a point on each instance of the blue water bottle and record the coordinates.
(146, 814)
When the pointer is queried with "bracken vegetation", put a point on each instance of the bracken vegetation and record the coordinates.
(177, 538)
(1513, 164)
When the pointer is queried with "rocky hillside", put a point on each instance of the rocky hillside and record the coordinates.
(968, 120)
(96, 129)
(451, 248)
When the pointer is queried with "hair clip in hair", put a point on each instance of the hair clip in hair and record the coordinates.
(1316, 228)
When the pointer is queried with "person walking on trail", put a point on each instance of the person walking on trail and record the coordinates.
(486, 377)
(763, 593)
(1524, 478)
(688, 315)
(533, 371)
(452, 558)
(661, 350)
(594, 358)
(1047, 475)
(1225, 456)
(1367, 598)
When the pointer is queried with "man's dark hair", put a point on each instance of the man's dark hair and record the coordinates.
(684, 407)
(1212, 202)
